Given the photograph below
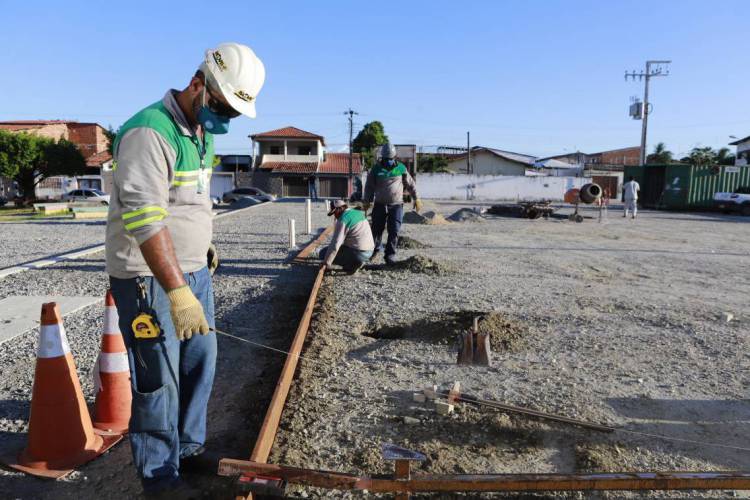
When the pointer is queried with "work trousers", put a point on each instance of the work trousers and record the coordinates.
(171, 380)
(347, 257)
(631, 206)
(390, 216)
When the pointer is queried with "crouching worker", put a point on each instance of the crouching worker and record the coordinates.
(352, 243)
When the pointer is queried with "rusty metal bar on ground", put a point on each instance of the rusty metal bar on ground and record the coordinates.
(310, 248)
(416, 483)
(468, 398)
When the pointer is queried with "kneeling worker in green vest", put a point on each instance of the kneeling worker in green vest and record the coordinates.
(352, 244)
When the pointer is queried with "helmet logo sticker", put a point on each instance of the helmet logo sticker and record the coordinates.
(243, 95)
(219, 61)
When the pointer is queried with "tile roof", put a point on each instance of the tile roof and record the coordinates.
(290, 167)
(98, 159)
(338, 163)
(288, 133)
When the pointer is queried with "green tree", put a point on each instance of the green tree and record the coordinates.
(371, 135)
(111, 134)
(29, 159)
(702, 157)
(660, 156)
(724, 156)
(432, 163)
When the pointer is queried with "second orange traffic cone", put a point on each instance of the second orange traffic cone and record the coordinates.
(60, 436)
(112, 376)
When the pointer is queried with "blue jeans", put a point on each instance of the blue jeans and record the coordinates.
(390, 215)
(348, 257)
(170, 380)
(313, 190)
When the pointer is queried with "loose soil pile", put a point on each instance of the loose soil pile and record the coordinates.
(465, 215)
(506, 334)
(422, 265)
(406, 243)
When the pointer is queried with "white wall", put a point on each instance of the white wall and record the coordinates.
(496, 187)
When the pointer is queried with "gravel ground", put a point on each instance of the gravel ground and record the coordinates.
(258, 296)
(621, 323)
(32, 240)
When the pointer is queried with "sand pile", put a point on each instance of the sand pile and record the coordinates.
(429, 217)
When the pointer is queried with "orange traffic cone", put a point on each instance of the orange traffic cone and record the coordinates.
(112, 376)
(60, 436)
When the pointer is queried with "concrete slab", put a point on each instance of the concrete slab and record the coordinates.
(19, 314)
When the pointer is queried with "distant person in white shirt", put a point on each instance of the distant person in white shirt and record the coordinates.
(630, 194)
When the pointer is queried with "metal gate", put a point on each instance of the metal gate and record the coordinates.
(608, 184)
(295, 186)
(332, 187)
(652, 186)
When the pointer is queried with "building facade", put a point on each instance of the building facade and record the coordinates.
(288, 160)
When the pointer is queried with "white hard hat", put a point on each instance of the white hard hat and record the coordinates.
(238, 73)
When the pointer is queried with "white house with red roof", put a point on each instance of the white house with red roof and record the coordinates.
(287, 160)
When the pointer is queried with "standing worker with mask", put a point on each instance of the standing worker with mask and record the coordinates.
(630, 194)
(385, 185)
(158, 235)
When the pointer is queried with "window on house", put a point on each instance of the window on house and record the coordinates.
(275, 150)
(304, 150)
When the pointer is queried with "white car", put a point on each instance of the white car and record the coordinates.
(91, 195)
(739, 201)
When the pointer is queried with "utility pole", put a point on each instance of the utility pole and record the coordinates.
(468, 153)
(660, 68)
(351, 114)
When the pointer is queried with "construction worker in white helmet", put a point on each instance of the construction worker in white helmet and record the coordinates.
(159, 229)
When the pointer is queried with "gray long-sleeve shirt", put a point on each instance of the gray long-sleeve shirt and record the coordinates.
(159, 168)
(351, 230)
(386, 186)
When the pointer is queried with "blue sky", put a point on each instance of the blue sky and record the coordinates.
(539, 77)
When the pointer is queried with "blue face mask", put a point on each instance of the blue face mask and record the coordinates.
(212, 122)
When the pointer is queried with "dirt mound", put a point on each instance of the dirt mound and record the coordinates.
(407, 243)
(422, 265)
(429, 217)
(465, 215)
(506, 334)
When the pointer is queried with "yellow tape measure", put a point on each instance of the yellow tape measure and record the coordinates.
(144, 327)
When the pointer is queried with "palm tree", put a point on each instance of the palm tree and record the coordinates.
(660, 156)
(702, 157)
(724, 156)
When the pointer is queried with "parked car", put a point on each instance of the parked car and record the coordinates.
(247, 201)
(236, 194)
(739, 201)
(92, 195)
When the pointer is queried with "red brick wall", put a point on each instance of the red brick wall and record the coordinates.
(89, 138)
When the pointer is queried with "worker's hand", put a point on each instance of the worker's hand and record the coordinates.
(212, 258)
(417, 205)
(187, 313)
(366, 206)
